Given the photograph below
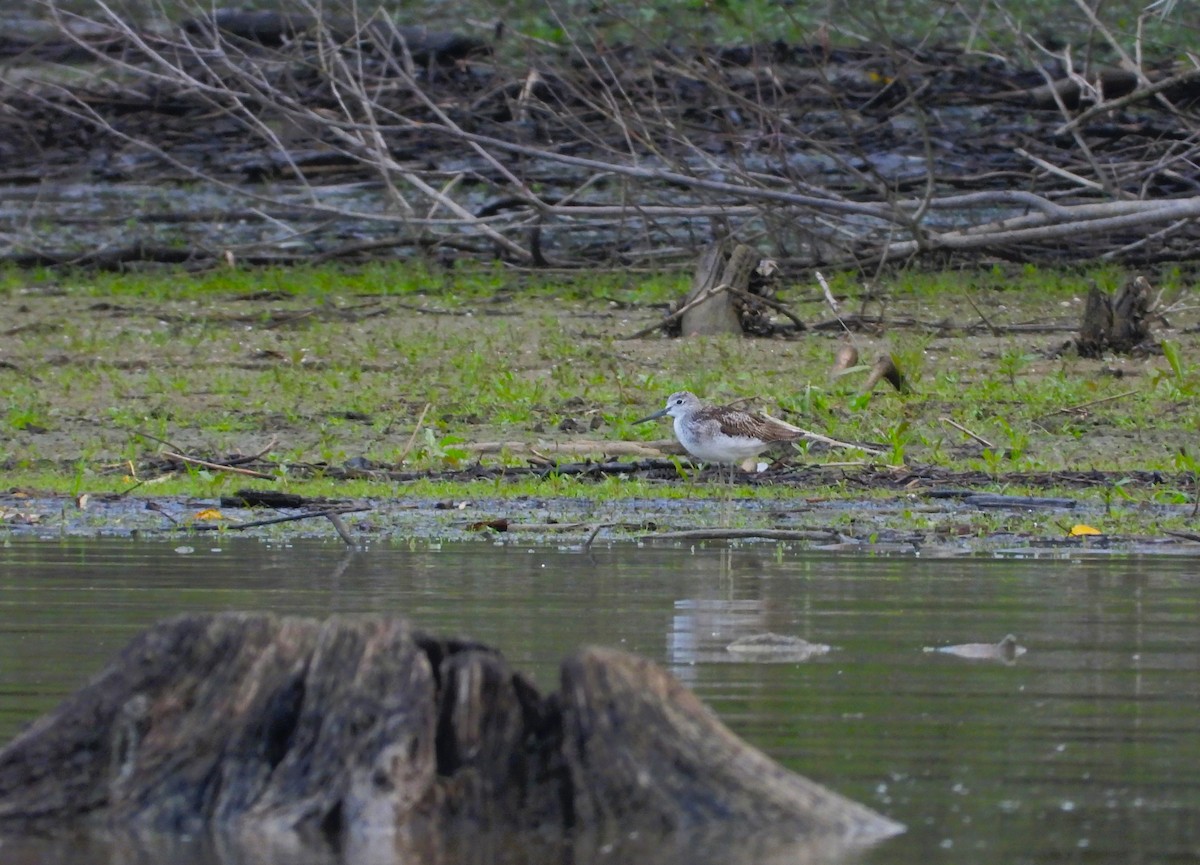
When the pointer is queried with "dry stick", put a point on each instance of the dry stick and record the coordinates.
(766, 301)
(708, 294)
(1081, 145)
(340, 526)
(546, 528)
(817, 437)
(1090, 403)
(207, 527)
(991, 234)
(1128, 61)
(1079, 216)
(587, 544)
(1145, 240)
(146, 435)
(1187, 536)
(982, 317)
(1058, 171)
(266, 450)
(217, 466)
(733, 534)
(965, 431)
(413, 438)
(255, 456)
(377, 151)
(833, 304)
(612, 448)
(831, 301)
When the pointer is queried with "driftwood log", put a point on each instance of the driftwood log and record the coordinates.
(365, 735)
(1117, 323)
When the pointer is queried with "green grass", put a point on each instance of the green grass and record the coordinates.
(337, 364)
(979, 24)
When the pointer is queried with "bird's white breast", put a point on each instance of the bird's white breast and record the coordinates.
(706, 442)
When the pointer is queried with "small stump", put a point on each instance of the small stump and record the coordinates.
(729, 294)
(1118, 323)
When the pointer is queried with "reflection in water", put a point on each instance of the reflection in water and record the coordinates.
(473, 848)
(1086, 748)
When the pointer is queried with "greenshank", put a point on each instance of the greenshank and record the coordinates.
(719, 433)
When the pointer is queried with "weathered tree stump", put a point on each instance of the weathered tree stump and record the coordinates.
(348, 731)
(724, 263)
(1117, 323)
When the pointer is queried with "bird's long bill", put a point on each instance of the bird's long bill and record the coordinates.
(662, 411)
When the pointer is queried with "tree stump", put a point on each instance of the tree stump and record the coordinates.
(371, 737)
(724, 263)
(1117, 323)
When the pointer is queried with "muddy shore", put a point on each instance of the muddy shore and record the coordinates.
(392, 419)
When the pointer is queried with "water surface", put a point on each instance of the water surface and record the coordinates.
(1086, 749)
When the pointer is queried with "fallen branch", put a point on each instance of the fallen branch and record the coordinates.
(1072, 409)
(736, 534)
(962, 429)
(217, 466)
(766, 301)
(340, 527)
(210, 527)
(611, 448)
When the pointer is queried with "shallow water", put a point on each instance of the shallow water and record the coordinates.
(1087, 748)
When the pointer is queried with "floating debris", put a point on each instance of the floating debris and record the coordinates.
(776, 647)
(1007, 650)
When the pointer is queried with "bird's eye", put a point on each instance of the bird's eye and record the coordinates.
(679, 401)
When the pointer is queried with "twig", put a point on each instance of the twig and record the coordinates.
(707, 294)
(146, 435)
(256, 456)
(962, 429)
(587, 544)
(340, 526)
(832, 302)
(1074, 408)
(982, 317)
(734, 534)
(209, 527)
(766, 301)
(1058, 171)
(1187, 536)
(412, 439)
(217, 466)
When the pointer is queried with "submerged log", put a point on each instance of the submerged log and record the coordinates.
(352, 729)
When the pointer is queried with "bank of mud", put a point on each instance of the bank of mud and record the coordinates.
(939, 522)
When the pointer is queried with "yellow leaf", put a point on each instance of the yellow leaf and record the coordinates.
(210, 514)
(1081, 529)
